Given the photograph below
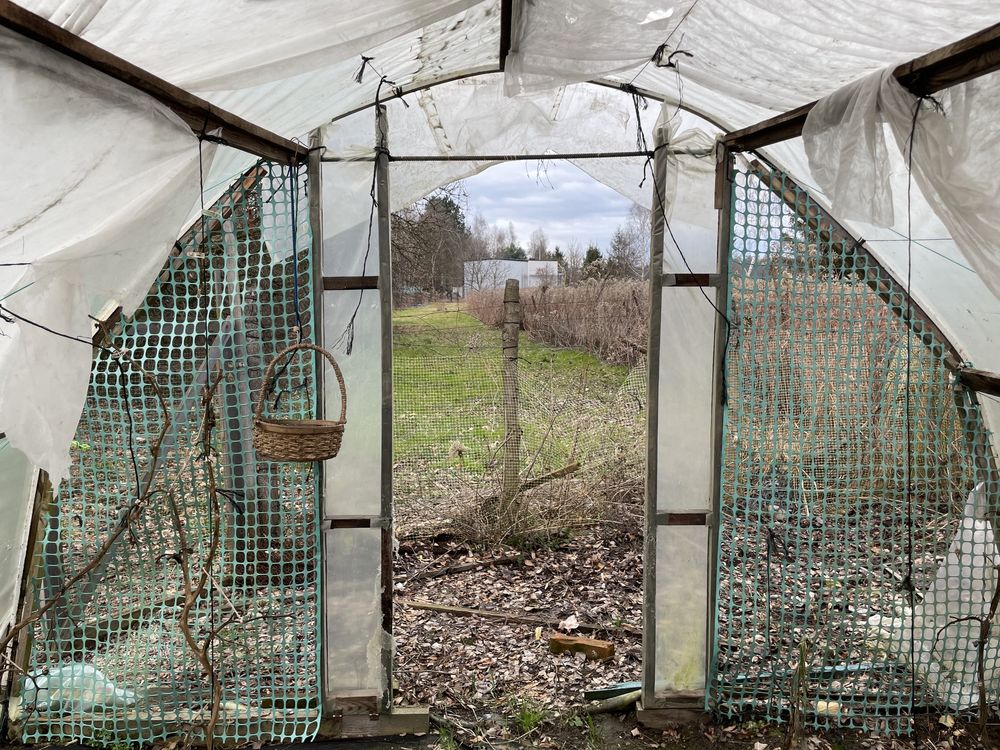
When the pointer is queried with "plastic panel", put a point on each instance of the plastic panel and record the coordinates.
(353, 611)
(681, 608)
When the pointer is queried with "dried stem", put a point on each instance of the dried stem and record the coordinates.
(194, 588)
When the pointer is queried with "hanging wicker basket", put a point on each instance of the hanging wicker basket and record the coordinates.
(298, 440)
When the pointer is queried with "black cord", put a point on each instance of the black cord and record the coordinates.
(729, 326)
(908, 438)
(347, 336)
(294, 176)
(293, 190)
(4, 311)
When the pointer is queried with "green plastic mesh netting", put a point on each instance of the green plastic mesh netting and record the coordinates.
(828, 521)
(109, 662)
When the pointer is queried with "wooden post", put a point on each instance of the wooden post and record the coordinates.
(383, 206)
(511, 479)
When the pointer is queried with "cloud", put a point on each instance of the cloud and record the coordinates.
(565, 202)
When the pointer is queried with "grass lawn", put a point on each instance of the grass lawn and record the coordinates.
(449, 404)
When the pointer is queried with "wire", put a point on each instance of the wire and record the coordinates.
(347, 336)
(88, 342)
(294, 176)
(908, 437)
(666, 41)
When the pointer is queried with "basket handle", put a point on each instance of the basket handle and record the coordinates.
(258, 412)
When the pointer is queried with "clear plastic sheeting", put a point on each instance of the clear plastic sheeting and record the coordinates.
(353, 591)
(686, 407)
(561, 42)
(947, 624)
(944, 140)
(353, 478)
(206, 45)
(681, 611)
(98, 180)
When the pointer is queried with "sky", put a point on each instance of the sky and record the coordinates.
(564, 201)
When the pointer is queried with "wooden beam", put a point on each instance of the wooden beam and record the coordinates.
(889, 289)
(980, 381)
(201, 116)
(344, 283)
(385, 315)
(968, 58)
(689, 711)
(689, 518)
(522, 619)
(401, 720)
(690, 279)
(506, 21)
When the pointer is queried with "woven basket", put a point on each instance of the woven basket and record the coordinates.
(298, 440)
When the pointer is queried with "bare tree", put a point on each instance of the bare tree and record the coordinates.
(573, 263)
(628, 253)
(429, 243)
(538, 245)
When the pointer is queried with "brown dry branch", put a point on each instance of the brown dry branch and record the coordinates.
(193, 591)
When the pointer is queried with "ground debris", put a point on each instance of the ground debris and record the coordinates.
(484, 662)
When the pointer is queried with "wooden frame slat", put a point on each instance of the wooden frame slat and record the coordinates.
(200, 115)
(968, 58)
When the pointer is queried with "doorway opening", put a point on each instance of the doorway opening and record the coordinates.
(519, 444)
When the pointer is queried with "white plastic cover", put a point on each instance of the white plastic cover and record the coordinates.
(212, 45)
(98, 179)
(353, 611)
(567, 42)
(946, 625)
(16, 475)
(845, 141)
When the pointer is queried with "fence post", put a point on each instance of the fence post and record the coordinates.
(512, 439)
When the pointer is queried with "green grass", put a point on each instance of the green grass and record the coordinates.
(528, 714)
(447, 388)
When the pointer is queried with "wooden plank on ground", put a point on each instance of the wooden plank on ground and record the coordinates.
(449, 609)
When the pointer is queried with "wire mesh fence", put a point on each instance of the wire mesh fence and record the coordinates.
(582, 442)
(211, 587)
(852, 567)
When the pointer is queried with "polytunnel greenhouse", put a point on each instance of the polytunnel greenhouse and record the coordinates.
(196, 347)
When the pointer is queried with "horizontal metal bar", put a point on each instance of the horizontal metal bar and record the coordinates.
(690, 279)
(505, 157)
(341, 283)
(398, 92)
(686, 518)
(200, 115)
(968, 58)
(522, 157)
